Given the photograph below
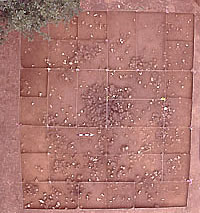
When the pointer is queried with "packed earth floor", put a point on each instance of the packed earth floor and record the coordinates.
(105, 112)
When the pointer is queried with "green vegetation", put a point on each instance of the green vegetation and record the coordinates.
(28, 16)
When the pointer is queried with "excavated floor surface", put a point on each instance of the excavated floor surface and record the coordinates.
(105, 112)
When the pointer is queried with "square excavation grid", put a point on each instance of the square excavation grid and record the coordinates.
(105, 112)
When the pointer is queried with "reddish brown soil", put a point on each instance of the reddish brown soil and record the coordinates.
(105, 111)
